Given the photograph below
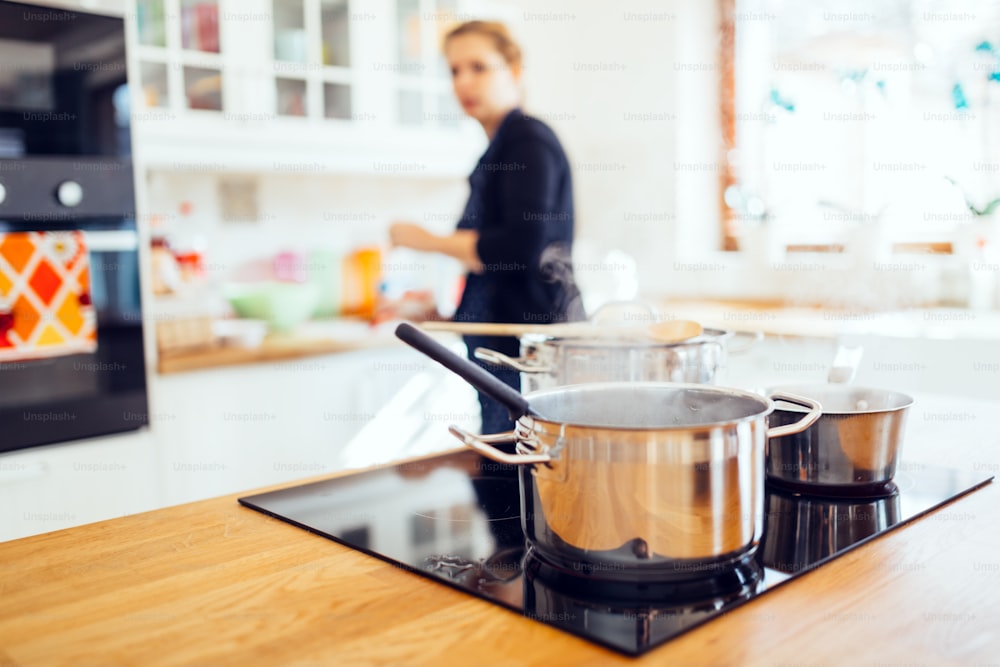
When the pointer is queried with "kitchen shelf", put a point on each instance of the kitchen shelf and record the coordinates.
(254, 143)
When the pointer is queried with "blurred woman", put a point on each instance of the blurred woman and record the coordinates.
(515, 235)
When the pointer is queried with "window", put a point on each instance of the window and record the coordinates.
(858, 114)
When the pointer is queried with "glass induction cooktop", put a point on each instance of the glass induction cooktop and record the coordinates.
(455, 518)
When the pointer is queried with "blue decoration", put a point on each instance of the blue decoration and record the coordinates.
(785, 104)
(857, 75)
(958, 97)
(986, 47)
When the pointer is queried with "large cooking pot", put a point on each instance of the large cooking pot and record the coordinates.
(851, 450)
(662, 479)
(547, 362)
(802, 530)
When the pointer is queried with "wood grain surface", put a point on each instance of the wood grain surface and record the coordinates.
(213, 583)
(274, 348)
(667, 331)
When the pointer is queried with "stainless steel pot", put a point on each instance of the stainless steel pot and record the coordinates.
(851, 450)
(662, 478)
(801, 531)
(548, 362)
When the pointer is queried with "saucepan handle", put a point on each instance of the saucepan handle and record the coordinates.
(501, 359)
(750, 339)
(483, 445)
(815, 411)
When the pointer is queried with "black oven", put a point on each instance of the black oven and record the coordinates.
(72, 363)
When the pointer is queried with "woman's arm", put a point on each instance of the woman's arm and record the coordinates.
(460, 244)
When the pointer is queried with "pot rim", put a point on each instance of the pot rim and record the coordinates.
(767, 404)
(708, 335)
(905, 400)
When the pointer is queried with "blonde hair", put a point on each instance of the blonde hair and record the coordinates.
(496, 31)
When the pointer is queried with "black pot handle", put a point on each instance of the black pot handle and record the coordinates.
(481, 379)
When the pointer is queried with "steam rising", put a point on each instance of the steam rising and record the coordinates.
(556, 265)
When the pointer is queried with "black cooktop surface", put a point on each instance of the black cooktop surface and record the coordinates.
(455, 518)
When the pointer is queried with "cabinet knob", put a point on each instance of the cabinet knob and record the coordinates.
(69, 194)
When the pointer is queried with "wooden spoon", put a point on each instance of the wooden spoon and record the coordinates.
(668, 331)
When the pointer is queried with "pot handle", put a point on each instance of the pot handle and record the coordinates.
(501, 359)
(753, 337)
(815, 410)
(482, 444)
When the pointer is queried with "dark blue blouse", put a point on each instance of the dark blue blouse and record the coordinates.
(521, 203)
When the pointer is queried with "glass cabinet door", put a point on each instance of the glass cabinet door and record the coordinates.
(203, 88)
(200, 25)
(409, 44)
(152, 23)
(289, 31)
(312, 58)
(423, 81)
(291, 54)
(337, 101)
(202, 76)
(335, 53)
(155, 89)
(335, 30)
(371, 67)
(179, 54)
(151, 33)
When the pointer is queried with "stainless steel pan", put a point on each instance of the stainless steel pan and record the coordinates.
(547, 362)
(851, 450)
(665, 479)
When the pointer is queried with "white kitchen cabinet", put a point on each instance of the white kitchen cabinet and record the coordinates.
(353, 86)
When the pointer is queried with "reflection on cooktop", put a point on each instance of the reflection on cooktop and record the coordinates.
(455, 518)
(802, 531)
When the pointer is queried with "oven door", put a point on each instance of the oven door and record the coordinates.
(71, 344)
(72, 363)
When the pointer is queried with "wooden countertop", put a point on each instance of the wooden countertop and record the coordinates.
(215, 583)
(762, 316)
(313, 339)
(783, 319)
(272, 349)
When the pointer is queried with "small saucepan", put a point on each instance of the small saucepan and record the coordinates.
(850, 451)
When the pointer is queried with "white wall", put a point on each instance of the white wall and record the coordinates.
(302, 211)
(601, 74)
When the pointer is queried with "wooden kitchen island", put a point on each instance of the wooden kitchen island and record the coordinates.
(214, 583)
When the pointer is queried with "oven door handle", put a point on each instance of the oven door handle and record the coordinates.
(117, 240)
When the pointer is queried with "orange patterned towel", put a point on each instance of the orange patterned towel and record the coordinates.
(45, 305)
